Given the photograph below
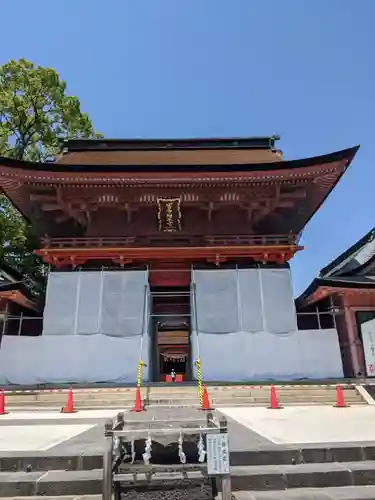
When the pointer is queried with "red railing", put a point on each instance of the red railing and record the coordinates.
(171, 239)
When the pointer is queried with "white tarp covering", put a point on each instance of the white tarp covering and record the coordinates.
(87, 303)
(80, 359)
(368, 339)
(247, 329)
(244, 300)
(61, 304)
(241, 356)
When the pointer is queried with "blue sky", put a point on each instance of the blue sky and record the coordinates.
(200, 68)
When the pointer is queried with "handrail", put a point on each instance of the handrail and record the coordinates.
(168, 239)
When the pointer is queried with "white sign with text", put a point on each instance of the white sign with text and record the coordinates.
(217, 454)
(368, 338)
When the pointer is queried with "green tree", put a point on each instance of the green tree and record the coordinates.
(36, 114)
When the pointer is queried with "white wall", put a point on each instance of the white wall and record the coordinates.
(240, 356)
(70, 359)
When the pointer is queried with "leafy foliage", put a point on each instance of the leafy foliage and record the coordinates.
(17, 242)
(35, 112)
(35, 115)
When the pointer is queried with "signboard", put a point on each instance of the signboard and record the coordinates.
(217, 454)
(368, 338)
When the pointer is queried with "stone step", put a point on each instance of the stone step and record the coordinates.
(257, 404)
(281, 399)
(42, 461)
(256, 395)
(52, 483)
(244, 478)
(57, 408)
(78, 397)
(287, 397)
(333, 493)
(86, 405)
(173, 401)
(183, 403)
(74, 483)
(291, 388)
(218, 401)
(313, 475)
(179, 396)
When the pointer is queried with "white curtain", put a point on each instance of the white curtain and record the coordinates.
(61, 304)
(240, 357)
(123, 305)
(216, 301)
(89, 285)
(247, 329)
(112, 303)
(80, 359)
(248, 300)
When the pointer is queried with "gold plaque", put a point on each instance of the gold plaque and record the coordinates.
(169, 214)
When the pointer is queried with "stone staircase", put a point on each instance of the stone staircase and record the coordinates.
(288, 395)
(186, 396)
(84, 399)
(223, 396)
(334, 472)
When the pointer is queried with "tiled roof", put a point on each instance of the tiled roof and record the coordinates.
(352, 260)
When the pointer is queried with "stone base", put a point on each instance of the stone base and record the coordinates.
(179, 490)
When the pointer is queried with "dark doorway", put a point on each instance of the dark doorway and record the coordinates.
(170, 323)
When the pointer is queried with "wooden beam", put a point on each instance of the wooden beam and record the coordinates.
(298, 193)
(62, 218)
(17, 297)
(42, 197)
(216, 254)
(51, 208)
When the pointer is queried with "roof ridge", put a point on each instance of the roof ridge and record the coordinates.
(346, 256)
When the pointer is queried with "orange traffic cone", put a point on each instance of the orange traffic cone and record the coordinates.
(340, 401)
(205, 402)
(138, 403)
(2, 403)
(274, 404)
(69, 407)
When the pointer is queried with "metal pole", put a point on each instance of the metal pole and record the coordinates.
(198, 360)
(239, 305)
(333, 312)
(4, 325)
(101, 291)
(107, 461)
(20, 324)
(5, 318)
(264, 319)
(194, 289)
(226, 486)
(140, 362)
(78, 290)
(318, 316)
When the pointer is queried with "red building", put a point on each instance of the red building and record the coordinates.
(19, 310)
(201, 219)
(348, 285)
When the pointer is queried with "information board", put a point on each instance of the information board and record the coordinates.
(217, 454)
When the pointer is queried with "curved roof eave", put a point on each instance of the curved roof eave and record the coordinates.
(346, 282)
(345, 154)
(336, 265)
